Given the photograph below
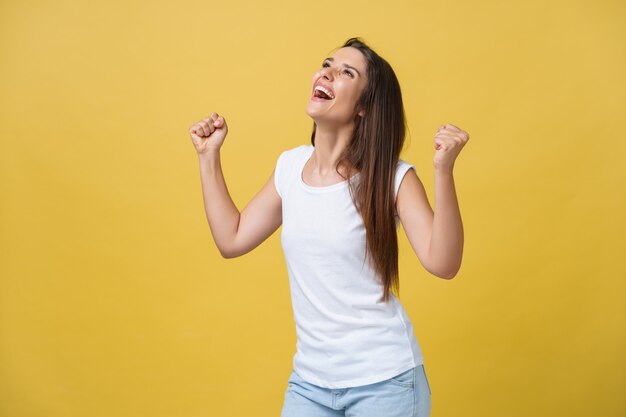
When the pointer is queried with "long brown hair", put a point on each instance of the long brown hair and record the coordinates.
(374, 151)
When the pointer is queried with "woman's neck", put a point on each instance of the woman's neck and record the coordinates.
(330, 142)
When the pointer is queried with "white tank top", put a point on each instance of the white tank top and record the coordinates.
(346, 337)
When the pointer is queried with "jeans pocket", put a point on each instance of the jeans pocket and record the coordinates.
(405, 379)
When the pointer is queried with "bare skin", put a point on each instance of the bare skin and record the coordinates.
(334, 118)
(436, 237)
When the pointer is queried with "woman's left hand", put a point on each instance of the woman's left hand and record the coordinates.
(449, 141)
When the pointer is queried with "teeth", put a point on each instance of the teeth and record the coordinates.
(325, 90)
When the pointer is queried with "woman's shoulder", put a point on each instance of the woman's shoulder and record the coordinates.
(288, 157)
(295, 152)
(402, 168)
(404, 165)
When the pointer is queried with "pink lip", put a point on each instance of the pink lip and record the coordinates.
(313, 98)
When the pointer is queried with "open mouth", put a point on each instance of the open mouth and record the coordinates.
(323, 93)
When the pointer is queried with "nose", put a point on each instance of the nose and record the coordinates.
(327, 72)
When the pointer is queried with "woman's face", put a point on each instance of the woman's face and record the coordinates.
(345, 74)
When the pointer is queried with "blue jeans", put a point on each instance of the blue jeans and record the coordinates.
(404, 395)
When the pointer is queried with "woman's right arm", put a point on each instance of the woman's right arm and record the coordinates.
(234, 233)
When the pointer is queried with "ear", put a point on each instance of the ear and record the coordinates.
(361, 113)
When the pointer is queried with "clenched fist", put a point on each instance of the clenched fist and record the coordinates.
(209, 133)
(449, 141)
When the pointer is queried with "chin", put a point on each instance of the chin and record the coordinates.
(315, 115)
(326, 116)
(319, 114)
(326, 119)
(319, 118)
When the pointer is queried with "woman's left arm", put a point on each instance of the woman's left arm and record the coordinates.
(446, 241)
(437, 238)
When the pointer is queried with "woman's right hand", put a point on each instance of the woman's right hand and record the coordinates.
(209, 133)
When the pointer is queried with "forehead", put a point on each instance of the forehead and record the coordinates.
(350, 56)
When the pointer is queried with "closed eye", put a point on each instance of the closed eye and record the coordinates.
(325, 64)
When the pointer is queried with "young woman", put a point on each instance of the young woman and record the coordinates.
(339, 201)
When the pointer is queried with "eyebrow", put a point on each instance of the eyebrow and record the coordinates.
(345, 65)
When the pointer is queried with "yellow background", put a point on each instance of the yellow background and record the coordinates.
(114, 300)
